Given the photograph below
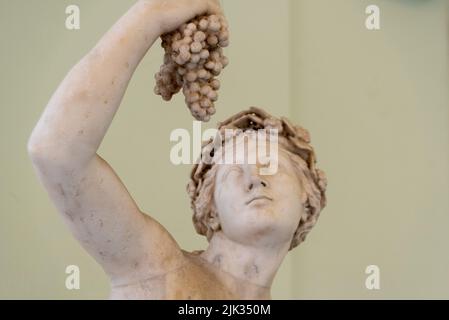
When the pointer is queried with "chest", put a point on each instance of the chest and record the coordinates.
(187, 283)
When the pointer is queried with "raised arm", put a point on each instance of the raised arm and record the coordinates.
(84, 188)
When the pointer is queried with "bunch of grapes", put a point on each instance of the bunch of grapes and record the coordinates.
(193, 58)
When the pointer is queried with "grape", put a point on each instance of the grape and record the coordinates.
(193, 58)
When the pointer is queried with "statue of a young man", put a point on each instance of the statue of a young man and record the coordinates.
(251, 220)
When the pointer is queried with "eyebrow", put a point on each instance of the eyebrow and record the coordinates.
(229, 169)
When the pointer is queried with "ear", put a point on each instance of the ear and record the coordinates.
(213, 220)
(305, 204)
(308, 218)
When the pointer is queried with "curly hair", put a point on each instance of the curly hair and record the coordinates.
(294, 139)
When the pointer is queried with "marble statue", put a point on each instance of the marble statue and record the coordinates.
(250, 220)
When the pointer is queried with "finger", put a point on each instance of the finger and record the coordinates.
(214, 7)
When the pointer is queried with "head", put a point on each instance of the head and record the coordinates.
(250, 207)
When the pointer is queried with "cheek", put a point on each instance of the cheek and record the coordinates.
(225, 200)
(228, 189)
(289, 195)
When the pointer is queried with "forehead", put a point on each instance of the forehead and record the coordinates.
(250, 155)
(246, 145)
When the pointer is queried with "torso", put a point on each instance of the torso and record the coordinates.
(195, 279)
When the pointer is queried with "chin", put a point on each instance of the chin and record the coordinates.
(269, 237)
(267, 230)
(267, 218)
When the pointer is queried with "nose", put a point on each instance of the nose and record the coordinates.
(253, 179)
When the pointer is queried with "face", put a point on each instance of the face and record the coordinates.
(255, 209)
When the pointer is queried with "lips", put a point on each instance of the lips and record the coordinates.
(258, 198)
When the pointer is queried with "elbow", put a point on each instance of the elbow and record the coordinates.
(41, 151)
(45, 146)
(33, 145)
(38, 139)
(46, 162)
(46, 158)
(36, 150)
(32, 149)
(47, 154)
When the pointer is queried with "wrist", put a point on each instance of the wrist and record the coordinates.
(152, 12)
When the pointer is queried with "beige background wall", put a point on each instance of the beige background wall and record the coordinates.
(376, 104)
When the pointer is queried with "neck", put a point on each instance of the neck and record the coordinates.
(255, 265)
